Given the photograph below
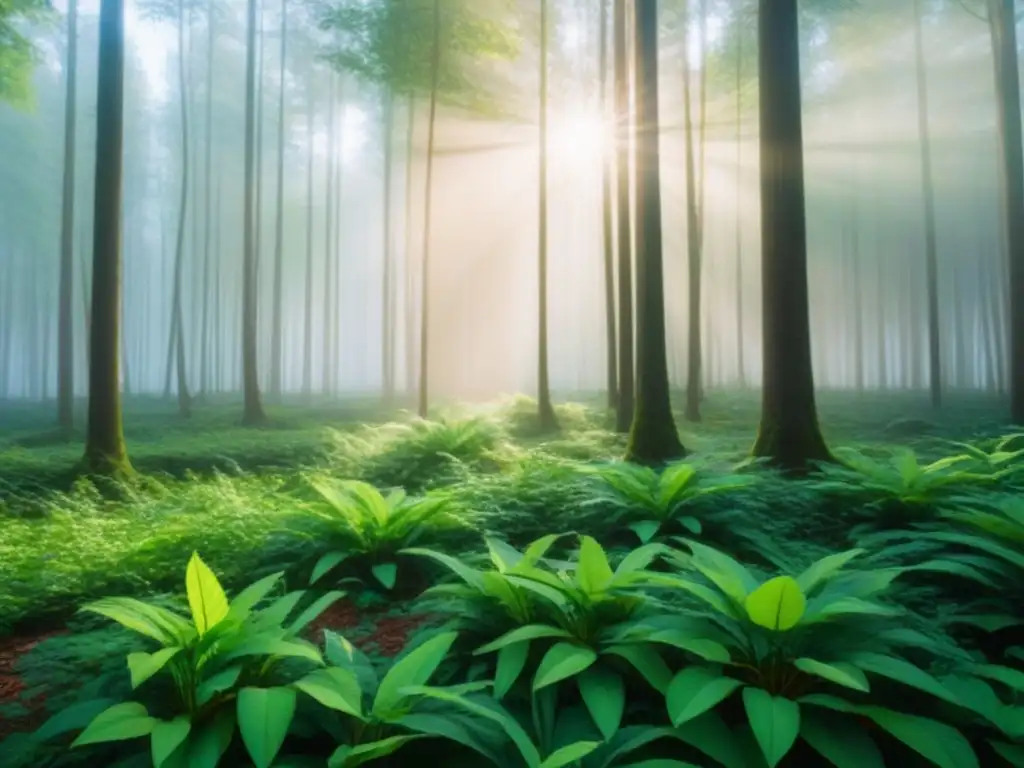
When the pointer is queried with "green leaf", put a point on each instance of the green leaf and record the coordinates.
(121, 722)
(73, 718)
(350, 757)
(563, 660)
(604, 694)
(1011, 678)
(268, 645)
(824, 569)
(264, 717)
(775, 722)
(469, 575)
(778, 604)
(326, 564)
(943, 745)
(569, 754)
(334, 688)
(414, 669)
(498, 716)
(903, 672)
(593, 573)
(520, 635)
(645, 529)
(320, 605)
(167, 736)
(845, 675)
(142, 666)
(648, 662)
(206, 597)
(696, 690)
(842, 742)
(511, 660)
(705, 649)
(209, 743)
(386, 574)
(247, 599)
(217, 683)
(152, 621)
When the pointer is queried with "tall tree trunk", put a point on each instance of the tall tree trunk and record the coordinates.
(105, 451)
(741, 357)
(858, 299)
(277, 329)
(653, 438)
(204, 365)
(328, 344)
(307, 331)
(693, 245)
(387, 325)
(423, 399)
(928, 196)
(626, 378)
(184, 400)
(66, 326)
(788, 435)
(1003, 29)
(261, 56)
(546, 410)
(409, 263)
(217, 346)
(253, 413)
(607, 219)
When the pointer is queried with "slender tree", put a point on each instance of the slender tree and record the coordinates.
(105, 451)
(546, 410)
(277, 328)
(693, 241)
(253, 411)
(626, 377)
(184, 399)
(307, 332)
(387, 322)
(741, 369)
(788, 435)
(653, 437)
(423, 400)
(607, 218)
(928, 197)
(65, 323)
(1003, 29)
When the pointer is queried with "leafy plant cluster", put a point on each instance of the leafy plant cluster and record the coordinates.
(672, 654)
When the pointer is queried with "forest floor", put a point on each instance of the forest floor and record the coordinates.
(238, 497)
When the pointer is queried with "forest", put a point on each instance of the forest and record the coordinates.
(335, 415)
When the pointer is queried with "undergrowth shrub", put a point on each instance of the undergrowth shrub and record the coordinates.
(898, 489)
(223, 668)
(367, 530)
(419, 454)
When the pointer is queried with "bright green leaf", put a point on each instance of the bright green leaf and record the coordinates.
(563, 660)
(775, 722)
(778, 604)
(696, 690)
(121, 722)
(604, 694)
(264, 717)
(167, 736)
(206, 597)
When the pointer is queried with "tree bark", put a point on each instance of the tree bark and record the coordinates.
(105, 451)
(1002, 25)
(253, 410)
(387, 323)
(423, 398)
(741, 369)
(607, 220)
(653, 438)
(277, 330)
(626, 377)
(184, 399)
(928, 196)
(788, 435)
(693, 245)
(65, 323)
(307, 332)
(545, 409)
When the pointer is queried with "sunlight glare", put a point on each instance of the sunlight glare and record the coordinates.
(578, 136)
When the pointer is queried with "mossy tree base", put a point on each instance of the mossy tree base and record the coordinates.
(653, 442)
(792, 445)
(105, 464)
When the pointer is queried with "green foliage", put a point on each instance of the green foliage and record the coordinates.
(898, 489)
(18, 54)
(218, 661)
(370, 528)
(812, 656)
(390, 43)
(653, 503)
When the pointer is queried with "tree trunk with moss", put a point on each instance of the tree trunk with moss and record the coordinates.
(653, 438)
(65, 322)
(253, 412)
(626, 377)
(789, 435)
(545, 409)
(105, 451)
(607, 221)
(1004, 48)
